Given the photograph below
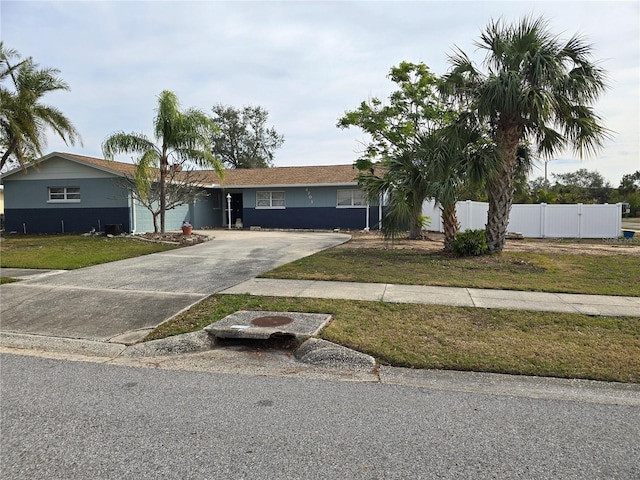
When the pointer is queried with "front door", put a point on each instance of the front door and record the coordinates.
(236, 208)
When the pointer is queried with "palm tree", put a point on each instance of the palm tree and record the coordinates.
(179, 137)
(23, 118)
(402, 181)
(538, 89)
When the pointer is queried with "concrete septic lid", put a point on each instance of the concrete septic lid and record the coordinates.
(264, 325)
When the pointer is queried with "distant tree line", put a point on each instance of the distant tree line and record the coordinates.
(582, 186)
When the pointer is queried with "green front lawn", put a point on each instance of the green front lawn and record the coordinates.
(68, 252)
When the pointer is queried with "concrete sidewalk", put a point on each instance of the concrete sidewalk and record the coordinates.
(462, 297)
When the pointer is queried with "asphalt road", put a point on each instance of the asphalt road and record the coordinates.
(77, 420)
(105, 301)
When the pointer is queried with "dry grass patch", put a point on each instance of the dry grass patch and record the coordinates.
(588, 268)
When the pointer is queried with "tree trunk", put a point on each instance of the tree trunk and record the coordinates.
(155, 222)
(163, 189)
(451, 226)
(500, 188)
(13, 146)
(415, 228)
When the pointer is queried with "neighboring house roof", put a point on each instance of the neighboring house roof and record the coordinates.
(318, 175)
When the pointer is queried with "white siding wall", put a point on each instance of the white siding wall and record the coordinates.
(540, 221)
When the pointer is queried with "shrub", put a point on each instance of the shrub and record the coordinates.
(470, 243)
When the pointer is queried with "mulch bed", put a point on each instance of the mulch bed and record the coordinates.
(176, 238)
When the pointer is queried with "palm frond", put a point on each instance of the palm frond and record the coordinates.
(121, 142)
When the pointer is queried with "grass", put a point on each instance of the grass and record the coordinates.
(432, 336)
(528, 271)
(68, 252)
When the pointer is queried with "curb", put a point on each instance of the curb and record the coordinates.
(313, 351)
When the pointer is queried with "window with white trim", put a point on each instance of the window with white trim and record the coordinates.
(353, 197)
(64, 194)
(270, 199)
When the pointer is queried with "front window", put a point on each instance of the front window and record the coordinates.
(64, 194)
(351, 198)
(270, 199)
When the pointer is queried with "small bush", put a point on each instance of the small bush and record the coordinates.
(470, 243)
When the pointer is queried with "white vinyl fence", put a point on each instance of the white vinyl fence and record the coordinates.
(540, 220)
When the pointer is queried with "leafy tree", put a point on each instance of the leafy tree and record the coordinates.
(581, 186)
(242, 139)
(180, 138)
(24, 119)
(539, 191)
(182, 187)
(630, 183)
(538, 89)
(402, 133)
(629, 192)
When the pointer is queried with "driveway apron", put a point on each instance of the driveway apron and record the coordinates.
(105, 301)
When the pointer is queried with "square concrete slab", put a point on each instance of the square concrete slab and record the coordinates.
(430, 295)
(264, 325)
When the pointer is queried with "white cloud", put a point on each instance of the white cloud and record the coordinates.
(305, 62)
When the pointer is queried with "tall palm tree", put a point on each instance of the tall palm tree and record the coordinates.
(179, 137)
(24, 119)
(537, 89)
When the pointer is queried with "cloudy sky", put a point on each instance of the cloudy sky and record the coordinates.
(306, 62)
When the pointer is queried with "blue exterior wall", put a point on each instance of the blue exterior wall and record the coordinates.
(102, 202)
(314, 218)
(307, 207)
(94, 193)
(207, 210)
(64, 220)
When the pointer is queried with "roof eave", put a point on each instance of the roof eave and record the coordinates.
(289, 185)
(35, 163)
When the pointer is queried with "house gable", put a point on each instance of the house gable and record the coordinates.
(61, 193)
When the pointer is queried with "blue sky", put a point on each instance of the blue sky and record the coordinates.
(305, 62)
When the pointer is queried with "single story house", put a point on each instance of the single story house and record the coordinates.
(64, 192)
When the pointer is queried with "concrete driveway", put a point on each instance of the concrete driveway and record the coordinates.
(121, 301)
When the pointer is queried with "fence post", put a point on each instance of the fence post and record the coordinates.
(579, 220)
(543, 220)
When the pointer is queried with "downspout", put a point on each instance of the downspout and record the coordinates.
(132, 213)
(380, 212)
(367, 220)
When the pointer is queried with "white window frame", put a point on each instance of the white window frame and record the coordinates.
(64, 195)
(268, 202)
(357, 198)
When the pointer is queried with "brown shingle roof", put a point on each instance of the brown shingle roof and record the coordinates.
(118, 167)
(276, 176)
(288, 176)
